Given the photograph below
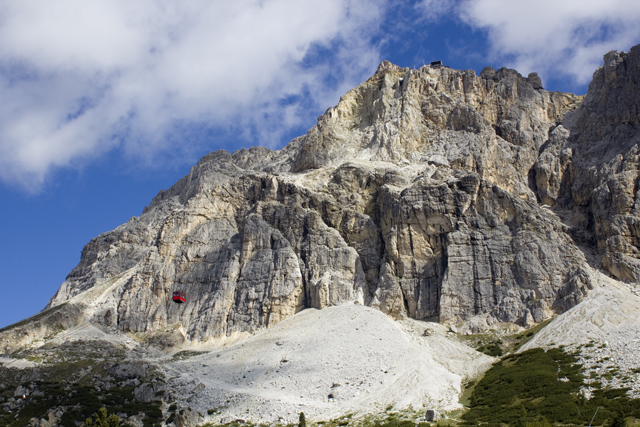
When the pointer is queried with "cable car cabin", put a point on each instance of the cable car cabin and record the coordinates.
(178, 297)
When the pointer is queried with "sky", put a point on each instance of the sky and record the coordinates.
(105, 103)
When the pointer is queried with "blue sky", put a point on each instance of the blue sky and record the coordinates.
(107, 102)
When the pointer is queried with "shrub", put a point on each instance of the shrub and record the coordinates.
(491, 350)
(102, 420)
(526, 389)
(618, 420)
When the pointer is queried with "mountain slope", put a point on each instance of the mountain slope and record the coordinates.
(412, 196)
(483, 203)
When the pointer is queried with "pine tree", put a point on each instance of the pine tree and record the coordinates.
(303, 421)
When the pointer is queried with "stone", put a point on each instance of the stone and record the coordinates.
(41, 422)
(535, 81)
(434, 194)
(438, 160)
(167, 339)
(187, 418)
(432, 415)
(149, 392)
(488, 73)
(127, 371)
(21, 391)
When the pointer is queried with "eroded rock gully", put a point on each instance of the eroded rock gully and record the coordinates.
(423, 193)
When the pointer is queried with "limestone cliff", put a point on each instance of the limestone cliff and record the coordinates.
(590, 166)
(424, 193)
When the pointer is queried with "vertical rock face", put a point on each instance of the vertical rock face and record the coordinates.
(424, 193)
(590, 165)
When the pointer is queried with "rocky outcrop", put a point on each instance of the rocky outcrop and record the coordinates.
(424, 193)
(591, 165)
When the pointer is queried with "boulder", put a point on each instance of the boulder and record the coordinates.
(127, 371)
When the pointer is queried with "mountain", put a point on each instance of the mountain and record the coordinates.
(433, 196)
(411, 195)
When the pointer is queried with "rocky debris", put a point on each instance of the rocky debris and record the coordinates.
(198, 388)
(357, 355)
(136, 420)
(35, 422)
(165, 340)
(148, 392)
(79, 378)
(127, 371)
(605, 332)
(341, 359)
(438, 160)
(11, 405)
(20, 391)
(188, 418)
(51, 420)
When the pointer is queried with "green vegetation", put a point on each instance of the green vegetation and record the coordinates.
(102, 420)
(542, 387)
(405, 418)
(82, 402)
(467, 391)
(496, 345)
(75, 381)
(491, 349)
(533, 388)
(524, 337)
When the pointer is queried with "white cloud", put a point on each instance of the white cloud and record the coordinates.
(564, 38)
(80, 78)
(432, 10)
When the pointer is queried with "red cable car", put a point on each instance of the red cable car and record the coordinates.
(178, 297)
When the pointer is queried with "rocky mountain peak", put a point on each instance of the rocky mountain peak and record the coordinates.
(589, 166)
(432, 193)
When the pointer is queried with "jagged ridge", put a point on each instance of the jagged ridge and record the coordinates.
(420, 194)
